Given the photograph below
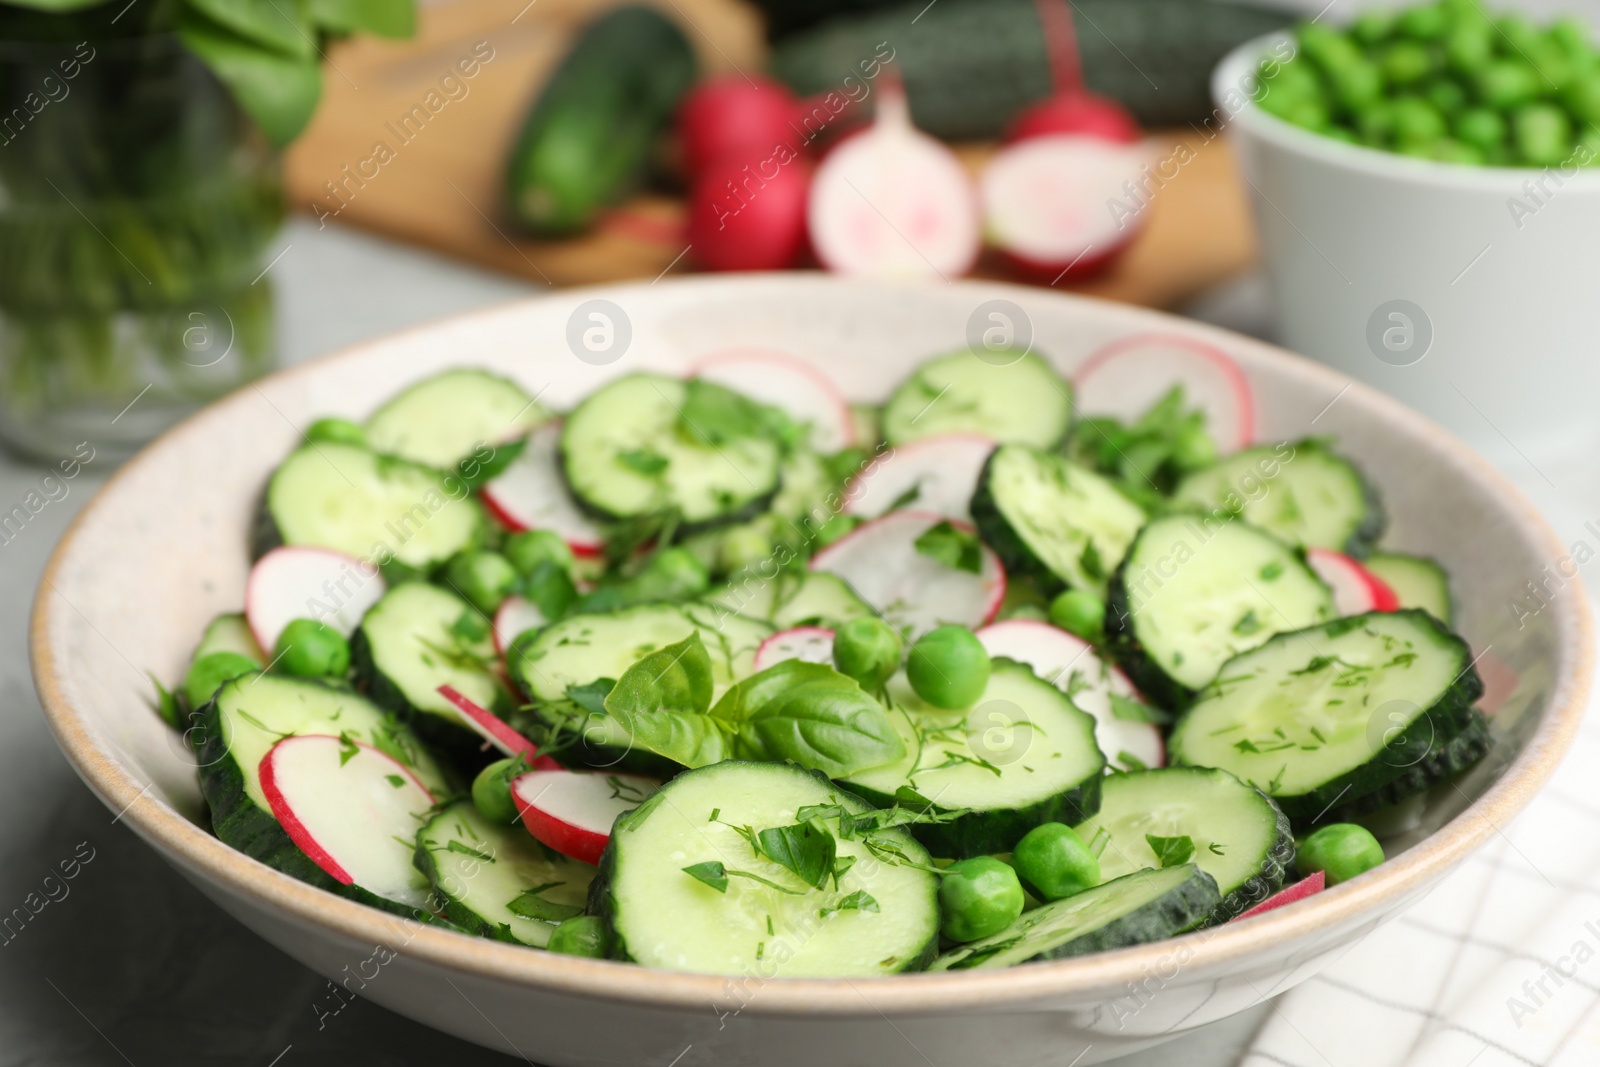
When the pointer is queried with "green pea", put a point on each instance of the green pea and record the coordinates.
(948, 667)
(1542, 134)
(673, 574)
(1517, 33)
(581, 935)
(1507, 83)
(1427, 22)
(1372, 26)
(1587, 151)
(1055, 862)
(1468, 48)
(334, 431)
(743, 546)
(978, 897)
(1326, 47)
(1582, 97)
(208, 673)
(1357, 84)
(836, 527)
(1481, 128)
(1375, 124)
(1416, 121)
(1340, 851)
(1296, 78)
(1193, 448)
(1406, 63)
(1080, 612)
(1449, 150)
(1446, 94)
(528, 549)
(868, 650)
(310, 649)
(1572, 35)
(1342, 133)
(491, 791)
(1309, 114)
(485, 578)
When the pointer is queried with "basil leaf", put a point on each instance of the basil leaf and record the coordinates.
(278, 90)
(1171, 851)
(714, 415)
(860, 900)
(386, 18)
(550, 588)
(662, 699)
(591, 696)
(805, 848)
(711, 872)
(952, 546)
(279, 26)
(810, 714)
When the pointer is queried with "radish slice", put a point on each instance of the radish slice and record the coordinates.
(891, 201)
(1306, 887)
(572, 811)
(344, 804)
(530, 495)
(1129, 375)
(493, 729)
(1057, 205)
(516, 616)
(1056, 656)
(813, 644)
(1499, 681)
(943, 470)
(789, 384)
(881, 563)
(300, 582)
(1356, 590)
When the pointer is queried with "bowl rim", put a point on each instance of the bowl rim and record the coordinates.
(1099, 976)
(1230, 75)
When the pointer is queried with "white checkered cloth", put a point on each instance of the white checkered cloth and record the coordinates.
(1497, 967)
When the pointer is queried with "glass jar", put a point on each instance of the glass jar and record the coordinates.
(138, 204)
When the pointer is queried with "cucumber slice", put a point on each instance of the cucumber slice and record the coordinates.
(630, 449)
(1419, 582)
(1301, 492)
(1053, 520)
(661, 916)
(229, 633)
(457, 417)
(1194, 590)
(251, 714)
(1446, 758)
(496, 881)
(1240, 837)
(1022, 756)
(1150, 905)
(1333, 713)
(1022, 401)
(416, 639)
(372, 507)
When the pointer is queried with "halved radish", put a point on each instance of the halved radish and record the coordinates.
(1070, 108)
(1305, 887)
(788, 383)
(943, 470)
(299, 582)
(572, 811)
(881, 563)
(1128, 375)
(810, 643)
(515, 617)
(891, 201)
(350, 808)
(493, 729)
(530, 495)
(1356, 590)
(1056, 656)
(1058, 205)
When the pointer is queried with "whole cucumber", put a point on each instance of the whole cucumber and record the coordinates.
(970, 65)
(590, 136)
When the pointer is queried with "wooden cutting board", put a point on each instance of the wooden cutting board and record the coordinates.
(411, 139)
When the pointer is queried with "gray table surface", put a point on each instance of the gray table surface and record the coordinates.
(134, 966)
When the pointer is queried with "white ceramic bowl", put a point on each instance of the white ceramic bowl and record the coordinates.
(162, 548)
(1498, 341)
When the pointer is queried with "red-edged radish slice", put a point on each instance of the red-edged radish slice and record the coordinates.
(515, 617)
(572, 811)
(1356, 590)
(943, 470)
(1305, 887)
(530, 495)
(893, 202)
(1499, 681)
(813, 644)
(1057, 205)
(1128, 375)
(493, 729)
(344, 804)
(299, 582)
(789, 384)
(880, 561)
(1056, 656)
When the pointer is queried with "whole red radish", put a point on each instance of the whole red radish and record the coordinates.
(748, 212)
(732, 115)
(1070, 108)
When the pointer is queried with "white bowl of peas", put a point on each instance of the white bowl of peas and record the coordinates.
(1426, 183)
